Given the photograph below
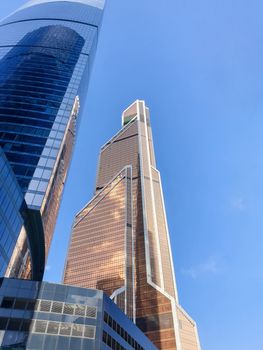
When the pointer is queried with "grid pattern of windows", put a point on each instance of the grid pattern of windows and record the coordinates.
(52, 203)
(93, 233)
(10, 218)
(50, 316)
(111, 342)
(122, 332)
(63, 329)
(33, 82)
(111, 261)
(187, 331)
(50, 306)
(48, 327)
(66, 321)
(15, 324)
(163, 234)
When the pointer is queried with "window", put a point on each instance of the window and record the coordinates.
(31, 305)
(91, 312)
(3, 323)
(40, 326)
(89, 332)
(111, 342)
(106, 317)
(118, 329)
(25, 325)
(14, 324)
(80, 310)
(77, 330)
(7, 303)
(52, 327)
(65, 329)
(20, 304)
(68, 309)
(45, 306)
(57, 307)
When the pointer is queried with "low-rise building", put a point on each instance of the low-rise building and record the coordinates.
(45, 316)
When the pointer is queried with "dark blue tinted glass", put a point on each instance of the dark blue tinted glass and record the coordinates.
(10, 218)
(46, 52)
(44, 74)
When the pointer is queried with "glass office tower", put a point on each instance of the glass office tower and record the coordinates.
(46, 52)
(120, 240)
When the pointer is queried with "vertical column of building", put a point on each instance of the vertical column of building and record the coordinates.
(162, 233)
(52, 200)
(153, 308)
(154, 267)
(130, 281)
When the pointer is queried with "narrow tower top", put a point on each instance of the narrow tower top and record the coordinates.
(132, 111)
(96, 3)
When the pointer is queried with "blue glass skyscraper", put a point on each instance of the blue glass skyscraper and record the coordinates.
(46, 52)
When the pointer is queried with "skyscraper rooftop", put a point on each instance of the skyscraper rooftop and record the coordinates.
(97, 3)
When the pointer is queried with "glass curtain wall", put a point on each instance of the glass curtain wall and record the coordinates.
(46, 53)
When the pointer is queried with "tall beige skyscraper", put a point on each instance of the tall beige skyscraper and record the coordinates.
(120, 239)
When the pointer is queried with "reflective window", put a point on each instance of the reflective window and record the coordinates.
(10, 218)
(44, 74)
(120, 331)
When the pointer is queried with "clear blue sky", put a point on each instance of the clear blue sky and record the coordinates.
(199, 66)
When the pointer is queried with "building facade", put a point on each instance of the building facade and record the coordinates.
(41, 316)
(46, 52)
(11, 207)
(120, 239)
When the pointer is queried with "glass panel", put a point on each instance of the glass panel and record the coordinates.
(57, 307)
(91, 312)
(7, 303)
(65, 329)
(45, 306)
(89, 332)
(68, 309)
(40, 326)
(80, 310)
(52, 327)
(77, 330)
